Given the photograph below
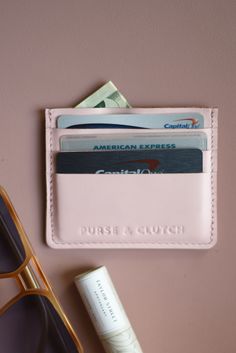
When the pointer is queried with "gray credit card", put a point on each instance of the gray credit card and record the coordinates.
(130, 142)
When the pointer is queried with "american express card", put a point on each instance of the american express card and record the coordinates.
(130, 162)
(130, 142)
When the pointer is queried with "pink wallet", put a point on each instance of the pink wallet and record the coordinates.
(175, 211)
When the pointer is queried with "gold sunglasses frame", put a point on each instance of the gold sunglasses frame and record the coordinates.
(31, 282)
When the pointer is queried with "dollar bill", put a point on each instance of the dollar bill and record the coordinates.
(107, 96)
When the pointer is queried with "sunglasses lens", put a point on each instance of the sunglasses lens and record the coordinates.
(12, 253)
(32, 325)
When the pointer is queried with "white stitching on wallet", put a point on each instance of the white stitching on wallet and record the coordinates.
(74, 244)
(51, 196)
(212, 177)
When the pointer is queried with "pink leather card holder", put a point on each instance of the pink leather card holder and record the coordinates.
(176, 211)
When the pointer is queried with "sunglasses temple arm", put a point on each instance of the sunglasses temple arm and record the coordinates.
(30, 275)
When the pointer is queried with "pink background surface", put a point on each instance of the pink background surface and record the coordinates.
(159, 53)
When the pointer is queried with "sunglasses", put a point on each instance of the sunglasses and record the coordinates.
(32, 321)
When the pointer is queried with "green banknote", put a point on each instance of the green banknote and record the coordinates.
(107, 96)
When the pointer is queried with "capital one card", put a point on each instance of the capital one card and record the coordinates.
(191, 120)
(130, 162)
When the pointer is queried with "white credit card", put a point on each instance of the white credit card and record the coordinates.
(191, 120)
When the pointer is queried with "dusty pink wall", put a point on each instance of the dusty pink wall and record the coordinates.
(159, 53)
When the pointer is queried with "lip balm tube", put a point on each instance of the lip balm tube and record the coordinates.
(106, 311)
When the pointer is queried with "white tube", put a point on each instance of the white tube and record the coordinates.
(106, 311)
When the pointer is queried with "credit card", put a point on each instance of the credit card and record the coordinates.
(130, 162)
(130, 121)
(131, 142)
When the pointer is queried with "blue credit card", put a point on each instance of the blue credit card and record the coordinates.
(130, 162)
(189, 120)
(130, 142)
